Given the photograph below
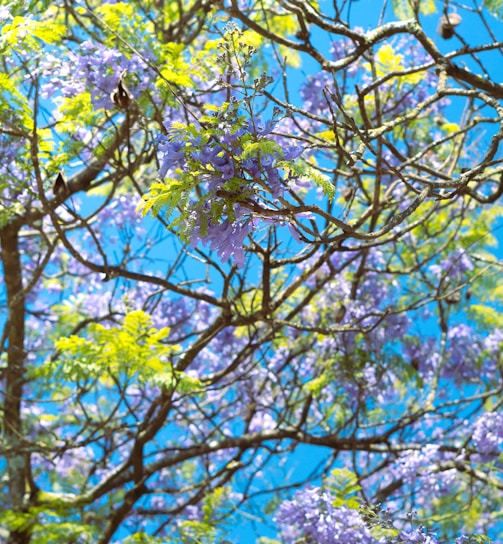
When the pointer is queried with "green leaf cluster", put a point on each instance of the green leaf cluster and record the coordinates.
(143, 538)
(210, 529)
(43, 525)
(125, 20)
(494, 6)
(14, 108)
(134, 349)
(343, 485)
(25, 34)
(405, 9)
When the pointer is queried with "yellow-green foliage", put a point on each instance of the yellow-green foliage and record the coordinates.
(133, 349)
(24, 34)
(403, 8)
(143, 538)
(388, 61)
(343, 485)
(76, 111)
(488, 316)
(209, 529)
(124, 19)
(38, 521)
(13, 104)
(495, 7)
(176, 69)
(315, 386)
(162, 194)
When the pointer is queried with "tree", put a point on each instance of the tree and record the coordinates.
(239, 236)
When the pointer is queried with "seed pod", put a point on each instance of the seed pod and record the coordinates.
(121, 96)
(453, 298)
(348, 193)
(60, 186)
(340, 313)
(447, 24)
(415, 363)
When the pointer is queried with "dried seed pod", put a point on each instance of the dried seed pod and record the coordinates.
(348, 193)
(121, 96)
(340, 313)
(60, 186)
(415, 363)
(453, 298)
(447, 24)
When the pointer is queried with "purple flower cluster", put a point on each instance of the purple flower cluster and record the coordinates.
(311, 514)
(237, 177)
(313, 91)
(408, 464)
(493, 354)
(17, 182)
(226, 238)
(488, 435)
(456, 266)
(312, 517)
(413, 468)
(416, 536)
(93, 67)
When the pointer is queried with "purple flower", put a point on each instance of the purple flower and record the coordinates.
(455, 266)
(5, 13)
(171, 154)
(226, 239)
(257, 127)
(311, 514)
(312, 92)
(292, 151)
(493, 343)
(417, 536)
(463, 353)
(408, 464)
(94, 67)
(261, 421)
(488, 435)
(222, 163)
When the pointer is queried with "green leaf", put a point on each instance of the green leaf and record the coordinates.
(115, 14)
(495, 7)
(308, 173)
(13, 105)
(167, 195)
(143, 538)
(135, 348)
(316, 385)
(25, 34)
(488, 316)
(16, 521)
(404, 9)
(267, 147)
(344, 485)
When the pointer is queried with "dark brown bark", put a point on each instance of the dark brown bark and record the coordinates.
(14, 334)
